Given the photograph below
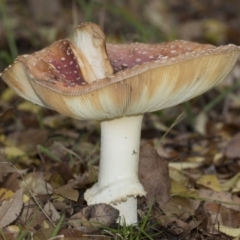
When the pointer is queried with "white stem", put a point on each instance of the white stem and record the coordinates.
(118, 182)
(120, 141)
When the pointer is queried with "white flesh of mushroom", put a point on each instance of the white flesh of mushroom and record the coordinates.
(90, 39)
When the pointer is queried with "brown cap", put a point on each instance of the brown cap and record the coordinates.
(146, 78)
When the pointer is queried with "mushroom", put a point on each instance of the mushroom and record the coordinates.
(116, 84)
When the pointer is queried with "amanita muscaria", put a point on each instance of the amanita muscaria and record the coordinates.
(116, 84)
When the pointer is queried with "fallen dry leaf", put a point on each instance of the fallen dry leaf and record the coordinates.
(178, 176)
(29, 106)
(51, 211)
(29, 210)
(5, 194)
(184, 165)
(232, 184)
(179, 207)
(10, 233)
(73, 234)
(31, 213)
(5, 169)
(35, 184)
(6, 115)
(54, 121)
(12, 152)
(27, 140)
(10, 209)
(232, 232)
(200, 123)
(174, 225)
(44, 231)
(233, 149)
(222, 216)
(180, 190)
(68, 192)
(94, 216)
(12, 182)
(7, 95)
(153, 174)
(225, 198)
(210, 181)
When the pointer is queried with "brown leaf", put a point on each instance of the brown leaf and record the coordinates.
(102, 213)
(6, 115)
(51, 211)
(180, 207)
(32, 213)
(63, 168)
(28, 139)
(12, 182)
(180, 227)
(73, 234)
(9, 233)
(68, 192)
(36, 184)
(5, 168)
(44, 231)
(30, 209)
(233, 147)
(92, 217)
(10, 209)
(220, 215)
(210, 181)
(153, 174)
(225, 198)
(174, 225)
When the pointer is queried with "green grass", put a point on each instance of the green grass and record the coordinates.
(6, 20)
(222, 95)
(141, 29)
(58, 227)
(145, 230)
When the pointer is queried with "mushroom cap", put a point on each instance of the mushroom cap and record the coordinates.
(146, 78)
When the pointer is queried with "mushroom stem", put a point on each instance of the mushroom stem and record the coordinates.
(118, 182)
